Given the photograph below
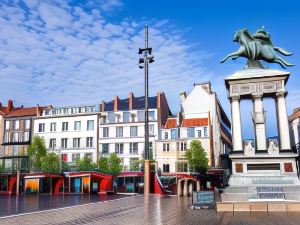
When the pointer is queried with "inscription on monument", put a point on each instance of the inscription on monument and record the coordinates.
(254, 88)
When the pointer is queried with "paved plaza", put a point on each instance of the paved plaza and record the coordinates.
(153, 209)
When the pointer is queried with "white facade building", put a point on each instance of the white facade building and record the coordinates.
(294, 121)
(201, 118)
(71, 132)
(121, 127)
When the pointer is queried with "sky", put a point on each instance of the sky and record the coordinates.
(77, 52)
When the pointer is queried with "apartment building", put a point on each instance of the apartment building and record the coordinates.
(294, 121)
(201, 118)
(4, 110)
(71, 132)
(121, 126)
(17, 130)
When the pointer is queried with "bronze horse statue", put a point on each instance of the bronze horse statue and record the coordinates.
(256, 47)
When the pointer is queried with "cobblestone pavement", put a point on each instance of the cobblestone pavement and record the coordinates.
(147, 210)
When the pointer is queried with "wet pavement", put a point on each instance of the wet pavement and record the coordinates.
(10, 205)
(142, 210)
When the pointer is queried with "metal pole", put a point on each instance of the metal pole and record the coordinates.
(147, 162)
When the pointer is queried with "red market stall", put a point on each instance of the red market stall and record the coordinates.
(43, 183)
(8, 184)
(89, 182)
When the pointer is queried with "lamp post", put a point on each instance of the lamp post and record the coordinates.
(143, 64)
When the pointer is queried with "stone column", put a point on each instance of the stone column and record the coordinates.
(259, 122)
(185, 187)
(236, 124)
(198, 185)
(283, 124)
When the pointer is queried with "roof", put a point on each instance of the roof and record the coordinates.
(171, 123)
(30, 111)
(137, 103)
(295, 115)
(225, 135)
(194, 122)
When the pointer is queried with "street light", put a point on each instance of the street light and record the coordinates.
(143, 64)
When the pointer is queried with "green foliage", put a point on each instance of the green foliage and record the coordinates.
(196, 157)
(103, 165)
(65, 167)
(115, 166)
(50, 163)
(85, 164)
(135, 165)
(36, 151)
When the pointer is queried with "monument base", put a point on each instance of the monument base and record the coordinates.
(263, 177)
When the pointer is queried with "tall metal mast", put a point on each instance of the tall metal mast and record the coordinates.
(143, 64)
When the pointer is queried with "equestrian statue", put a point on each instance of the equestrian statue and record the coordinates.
(257, 47)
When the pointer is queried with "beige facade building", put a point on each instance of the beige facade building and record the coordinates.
(201, 118)
(294, 121)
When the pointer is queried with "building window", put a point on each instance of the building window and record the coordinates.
(166, 135)
(77, 125)
(90, 125)
(198, 133)
(133, 117)
(64, 143)
(16, 124)
(151, 128)
(182, 167)
(173, 134)
(7, 125)
(151, 115)
(26, 136)
(119, 131)
(166, 147)
(75, 157)
(64, 157)
(182, 146)
(89, 142)
(27, 124)
(105, 131)
(119, 148)
(103, 119)
(76, 142)
(6, 137)
(15, 149)
(111, 117)
(133, 131)
(133, 148)
(15, 137)
(126, 117)
(52, 127)
(65, 126)
(104, 148)
(205, 132)
(141, 116)
(166, 168)
(191, 132)
(52, 143)
(88, 155)
(41, 127)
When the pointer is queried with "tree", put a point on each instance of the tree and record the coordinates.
(103, 165)
(50, 163)
(36, 151)
(196, 157)
(115, 166)
(65, 167)
(85, 164)
(135, 165)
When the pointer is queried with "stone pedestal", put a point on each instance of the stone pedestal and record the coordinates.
(265, 165)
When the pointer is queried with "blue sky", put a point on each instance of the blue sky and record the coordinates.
(76, 52)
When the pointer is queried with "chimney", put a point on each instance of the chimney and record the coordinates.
(102, 106)
(131, 97)
(10, 105)
(158, 99)
(116, 101)
(0, 105)
(182, 96)
(38, 110)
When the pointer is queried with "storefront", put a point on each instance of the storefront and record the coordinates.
(8, 183)
(44, 184)
(130, 182)
(88, 182)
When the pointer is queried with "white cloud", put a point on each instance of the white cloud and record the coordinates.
(62, 54)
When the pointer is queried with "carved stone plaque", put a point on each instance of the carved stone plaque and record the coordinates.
(255, 88)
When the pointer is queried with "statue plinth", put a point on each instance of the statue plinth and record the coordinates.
(265, 164)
